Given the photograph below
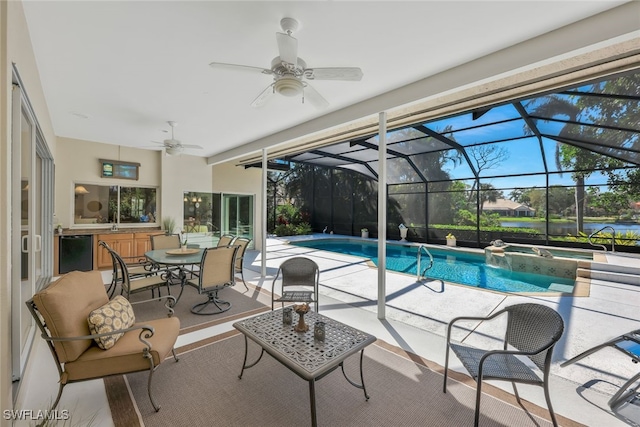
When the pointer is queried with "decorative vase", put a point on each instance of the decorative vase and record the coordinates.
(183, 248)
(365, 234)
(59, 230)
(403, 234)
(301, 309)
(451, 242)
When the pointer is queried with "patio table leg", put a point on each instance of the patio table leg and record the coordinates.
(244, 362)
(361, 385)
(312, 401)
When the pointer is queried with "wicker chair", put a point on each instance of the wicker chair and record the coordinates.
(217, 271)
(298, 274)
(532, 331)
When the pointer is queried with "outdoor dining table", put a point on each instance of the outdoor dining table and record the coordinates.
(167, 258)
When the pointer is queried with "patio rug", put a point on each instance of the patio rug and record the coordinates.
(203, 389)
(244, 303)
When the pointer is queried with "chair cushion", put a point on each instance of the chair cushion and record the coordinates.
(65, 305)
(127, 354)
(115, 315)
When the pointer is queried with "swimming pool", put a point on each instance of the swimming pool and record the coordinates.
(449, 265)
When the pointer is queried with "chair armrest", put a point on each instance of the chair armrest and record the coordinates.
(169, 303)
(146, 332)
(456, 319)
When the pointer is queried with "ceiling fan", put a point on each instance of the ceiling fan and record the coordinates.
(173, 146)
(290, 72)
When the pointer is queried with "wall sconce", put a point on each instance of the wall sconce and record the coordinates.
(81, 190)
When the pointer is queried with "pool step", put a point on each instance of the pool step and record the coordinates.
(610, 272)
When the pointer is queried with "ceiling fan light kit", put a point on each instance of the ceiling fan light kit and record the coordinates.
(290, 72)
(288, 86)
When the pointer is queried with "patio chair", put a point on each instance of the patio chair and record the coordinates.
(169, 241)
(242, 243)
(217, 271)
(78, 321)
(298, 275)
(130, 284)
(165, 241)
(532, 331)
(138, 267)
(628, 344)
(226, 240)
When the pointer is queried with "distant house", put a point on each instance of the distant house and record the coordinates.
(506, 207)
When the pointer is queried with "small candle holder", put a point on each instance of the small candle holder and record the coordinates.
(319, 331)
(287, 316)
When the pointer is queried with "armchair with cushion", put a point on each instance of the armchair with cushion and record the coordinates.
(532, 331)
(78, 321)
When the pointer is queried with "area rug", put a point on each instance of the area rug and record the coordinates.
(203, 389)
(243, 303)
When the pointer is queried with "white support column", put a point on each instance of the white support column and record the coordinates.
(382, 215)
(263, 216)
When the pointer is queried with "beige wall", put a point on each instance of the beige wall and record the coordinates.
(179, 174)
(78, 162)
(15, 47)
(229, 178)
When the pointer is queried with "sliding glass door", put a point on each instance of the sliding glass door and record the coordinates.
(32, 223)
(237, 215)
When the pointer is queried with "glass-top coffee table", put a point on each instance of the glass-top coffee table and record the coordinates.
(307, 357)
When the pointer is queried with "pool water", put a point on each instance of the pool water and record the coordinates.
(449, 265)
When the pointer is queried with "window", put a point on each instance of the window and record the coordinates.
(102, 204)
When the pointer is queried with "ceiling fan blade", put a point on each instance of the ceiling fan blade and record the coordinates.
(238, 67)
(191, 146)
(334, 73)
(314, 98)
(263, 97)
(288, 48)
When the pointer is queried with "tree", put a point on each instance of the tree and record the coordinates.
(486, 157)
(488, 193)
(582, 115)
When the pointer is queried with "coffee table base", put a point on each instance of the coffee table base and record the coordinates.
(312, 381)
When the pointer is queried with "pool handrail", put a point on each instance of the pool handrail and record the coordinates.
(419, 261)
(613, 238)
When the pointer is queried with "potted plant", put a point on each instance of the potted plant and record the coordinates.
(183, 241)
(451, 240)
(169, 224)
(59, 227)
(365, 233)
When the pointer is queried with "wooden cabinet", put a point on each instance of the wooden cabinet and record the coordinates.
(142, 243)
(122, 243)
(125, 244)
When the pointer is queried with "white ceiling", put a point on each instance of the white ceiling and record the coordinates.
(116, 72)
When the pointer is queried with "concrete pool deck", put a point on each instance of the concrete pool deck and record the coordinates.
(416, 317)
(609, 310)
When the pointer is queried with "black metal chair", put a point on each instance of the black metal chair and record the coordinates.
(532, 331)
(217, 271)
(628, 344)
(298, 274)
(226, 240)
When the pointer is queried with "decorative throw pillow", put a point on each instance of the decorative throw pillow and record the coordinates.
(115, 315)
